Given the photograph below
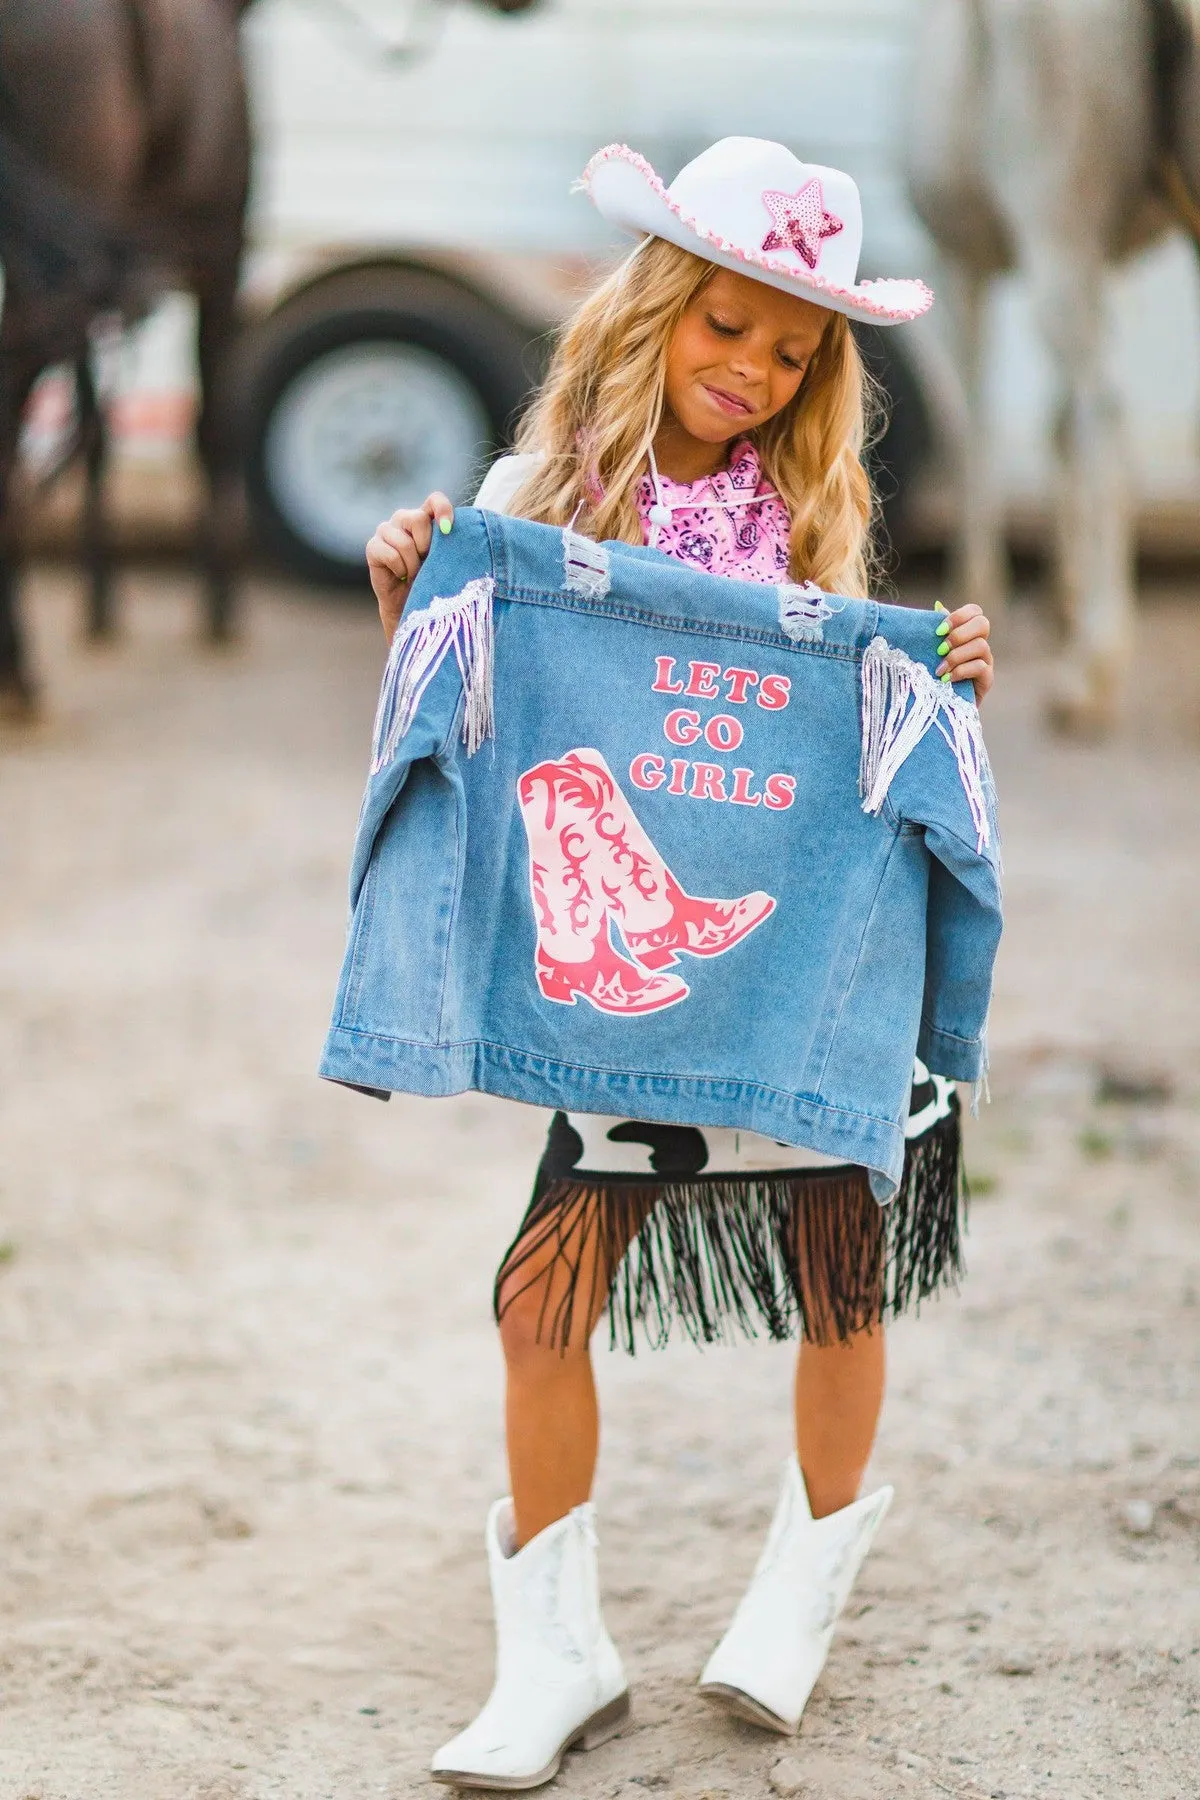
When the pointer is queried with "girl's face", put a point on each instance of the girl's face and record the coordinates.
(738, 355)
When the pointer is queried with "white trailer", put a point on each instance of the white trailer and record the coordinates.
(415, 237)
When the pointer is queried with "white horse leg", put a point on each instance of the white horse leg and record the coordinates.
(1093, 522)
(979, 565)
(947, 166)
(1070, 140)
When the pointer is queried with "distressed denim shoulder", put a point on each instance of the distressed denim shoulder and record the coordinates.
(643, 841)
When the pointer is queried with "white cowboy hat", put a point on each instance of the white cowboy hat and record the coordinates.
(753, 207)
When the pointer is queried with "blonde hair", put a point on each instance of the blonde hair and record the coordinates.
(593, 420)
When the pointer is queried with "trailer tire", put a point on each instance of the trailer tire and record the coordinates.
(362, 394)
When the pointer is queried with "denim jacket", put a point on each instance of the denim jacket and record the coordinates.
(642, 841)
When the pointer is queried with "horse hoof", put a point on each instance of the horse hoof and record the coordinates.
(1085, 716)
(19, 706)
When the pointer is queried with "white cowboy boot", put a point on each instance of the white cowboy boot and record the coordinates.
(766, 1665)
(559, 1681)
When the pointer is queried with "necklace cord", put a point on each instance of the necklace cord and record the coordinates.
(662, 509)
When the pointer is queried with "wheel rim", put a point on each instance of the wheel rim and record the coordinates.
(365, 429)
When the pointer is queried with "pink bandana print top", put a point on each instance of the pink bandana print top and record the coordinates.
(749, 542)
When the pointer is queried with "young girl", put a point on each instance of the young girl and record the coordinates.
(708, 400)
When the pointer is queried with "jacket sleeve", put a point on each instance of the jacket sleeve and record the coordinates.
(964, 913)
(436, 685)
(431, 734)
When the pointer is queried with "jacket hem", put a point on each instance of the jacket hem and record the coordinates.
(378, 1064)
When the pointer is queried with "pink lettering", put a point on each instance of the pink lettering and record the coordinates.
(780, 792)
(774, 692)
(648, 771)
(741, 794)
(702, 681)
(708, 781)
(681, 726)
(679, 773)
(664, 668)
(739, 680)
(723, 732)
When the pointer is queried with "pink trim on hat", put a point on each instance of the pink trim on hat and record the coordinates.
(757, 258)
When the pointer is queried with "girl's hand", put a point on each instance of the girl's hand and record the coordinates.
(968, 656)
(396, 552)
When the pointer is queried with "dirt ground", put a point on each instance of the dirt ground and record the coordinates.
(249, 1422)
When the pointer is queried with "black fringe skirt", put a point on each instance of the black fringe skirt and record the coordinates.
(803, 1252)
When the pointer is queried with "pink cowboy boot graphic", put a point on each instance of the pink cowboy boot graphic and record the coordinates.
(591, 860)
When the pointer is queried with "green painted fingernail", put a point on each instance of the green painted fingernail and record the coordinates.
(943, 627)
(938, 607)
(943, 648)
(444, 525)
(945, 675)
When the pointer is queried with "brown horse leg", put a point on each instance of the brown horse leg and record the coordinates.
(218, 440)
(93, 437)
(18, 690)
(18, 694)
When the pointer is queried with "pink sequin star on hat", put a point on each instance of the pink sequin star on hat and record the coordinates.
(799, 222)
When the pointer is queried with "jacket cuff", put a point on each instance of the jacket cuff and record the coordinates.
(957, 1058)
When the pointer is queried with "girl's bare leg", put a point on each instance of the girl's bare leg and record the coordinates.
(552, 1425)
(839, 1394)
(552, 1420)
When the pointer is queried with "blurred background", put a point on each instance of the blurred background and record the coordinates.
(412, 237)
(249, 1391)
